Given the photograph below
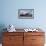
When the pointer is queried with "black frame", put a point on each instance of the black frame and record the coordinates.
(29, 13)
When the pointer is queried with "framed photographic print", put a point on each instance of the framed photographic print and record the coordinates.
(26, 13)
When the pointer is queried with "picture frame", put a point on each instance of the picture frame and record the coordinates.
(26, 13)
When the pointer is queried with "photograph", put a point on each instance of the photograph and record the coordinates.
(26, 13)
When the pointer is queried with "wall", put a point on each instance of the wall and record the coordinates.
(9, 13)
